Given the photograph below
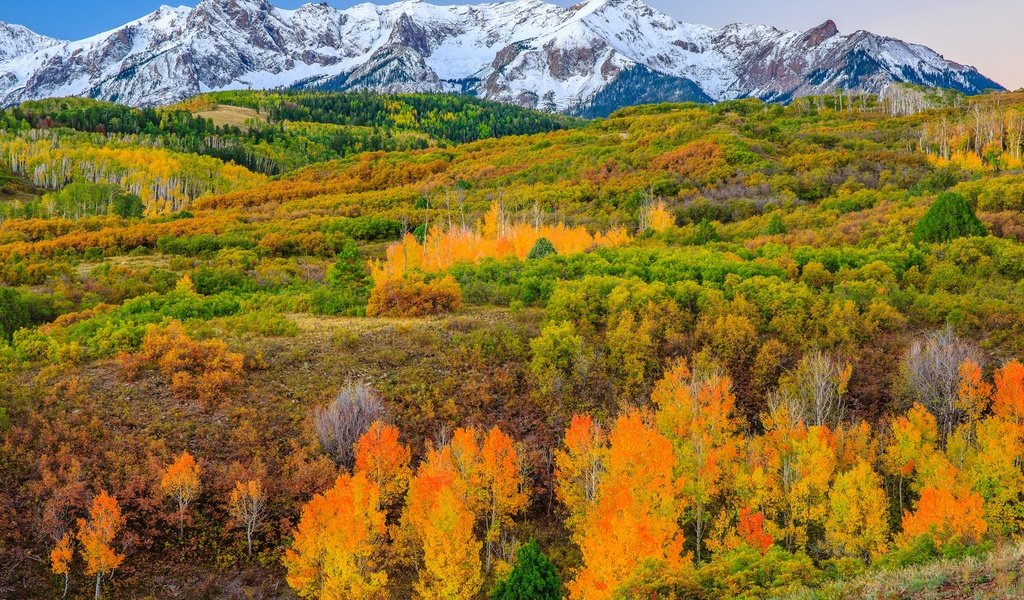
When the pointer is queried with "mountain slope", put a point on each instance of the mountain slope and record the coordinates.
(16, 41)
(589, 58)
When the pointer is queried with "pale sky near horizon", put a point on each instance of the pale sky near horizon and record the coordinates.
(981, 33)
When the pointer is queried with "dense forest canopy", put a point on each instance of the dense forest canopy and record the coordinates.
(351, 345)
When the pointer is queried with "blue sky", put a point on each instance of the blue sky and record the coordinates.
(982, 33)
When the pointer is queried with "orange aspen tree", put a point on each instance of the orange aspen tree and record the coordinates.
(385, 461)
(946, 514)
(495, 236)
(464, 453)
(635, 519)
(579, 467)
(854, 444)
(504, 488)
(750, 528)
(247, 504)
(60, 560)
(974, 394)
(336, 544)
(181, 482)
(97, 534)
(444, 524)
(697, 415)
(1008, 400)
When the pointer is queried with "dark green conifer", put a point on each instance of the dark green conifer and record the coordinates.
(533, 577)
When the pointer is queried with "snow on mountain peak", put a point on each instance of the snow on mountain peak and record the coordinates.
(17, 40)
(530, 52)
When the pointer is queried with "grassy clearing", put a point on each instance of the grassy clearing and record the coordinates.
(997, 575)
(224, 115)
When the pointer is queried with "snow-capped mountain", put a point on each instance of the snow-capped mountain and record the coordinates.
(589, 58)
(16, 41)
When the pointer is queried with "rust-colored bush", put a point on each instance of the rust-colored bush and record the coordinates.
(412, 297)
(201, 369)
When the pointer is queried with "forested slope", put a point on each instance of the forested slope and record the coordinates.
(765, 348)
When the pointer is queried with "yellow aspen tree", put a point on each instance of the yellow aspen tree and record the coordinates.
(443, 523)
(336, 545)
(247, 504)
(914, 438)
(806, 479)
(992, 467)
(857, 524)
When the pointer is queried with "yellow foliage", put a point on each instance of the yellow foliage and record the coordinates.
(337, 542)
(857, 523)
(494, 237)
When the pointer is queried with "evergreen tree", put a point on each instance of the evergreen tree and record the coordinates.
(542, 248)
(533, 577)
(949, 217)
(705, 233)
(348, 285)
(349, 270)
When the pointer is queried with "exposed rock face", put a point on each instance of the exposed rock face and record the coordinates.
(598, 53)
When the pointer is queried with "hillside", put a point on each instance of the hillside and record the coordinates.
(771, 350)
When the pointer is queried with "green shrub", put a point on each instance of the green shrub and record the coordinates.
(705, 233)
(210, 281)
(776, 226)
(367, 228)
(14, 313)
(746, 573)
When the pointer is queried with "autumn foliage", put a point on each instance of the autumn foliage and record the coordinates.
(634, 519)
(97, 536)
(498, 235)
(195, 369)
(385, 461)
(336, 548)
(413, 297)
(181, 483)
(946, 514)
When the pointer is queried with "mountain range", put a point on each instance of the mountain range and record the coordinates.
(587, 59)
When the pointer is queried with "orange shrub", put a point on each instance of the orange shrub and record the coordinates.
(701, 159)
(412, 297)
(202, 369)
